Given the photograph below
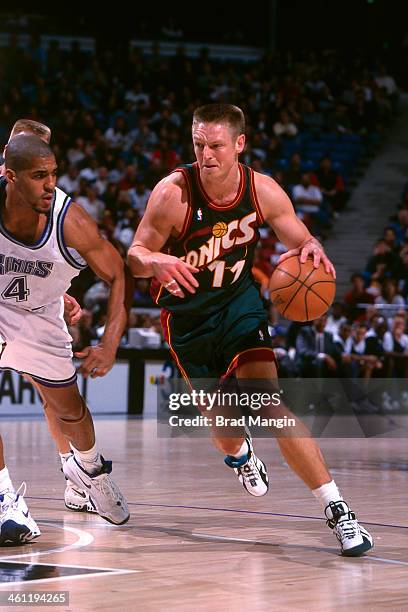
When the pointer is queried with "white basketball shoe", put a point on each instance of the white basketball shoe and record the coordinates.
(16, 524)
(76, 499)
(251, 471)
(354, 539)
(103, 493)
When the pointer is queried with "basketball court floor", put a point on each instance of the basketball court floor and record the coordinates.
(196, 540)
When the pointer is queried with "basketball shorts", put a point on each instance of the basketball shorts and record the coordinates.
(213, 346)
(37, 343)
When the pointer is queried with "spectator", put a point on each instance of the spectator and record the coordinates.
(69, 182)
(92, 204)
(285, 127)
(344, 342)
(389, 300)
(331, 184)
(335, 319)
(365, 355)
(307, 199)
(355, 299)
(382, 262)
(293, 174)
(395, 345)
(139, 197)
(116, 136)
(102, 181)
(316, 352)
(96, 294)
(90, 172)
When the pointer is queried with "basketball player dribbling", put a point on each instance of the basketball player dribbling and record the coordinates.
(74, 498)
(213, 315)
(45, 240)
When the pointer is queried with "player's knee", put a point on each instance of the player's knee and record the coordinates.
(228, 446)
(72, 412)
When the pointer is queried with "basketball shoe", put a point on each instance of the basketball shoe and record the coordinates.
(16, 524)
(354, 539)
(104, 494)
(250, 470)
(76, 499)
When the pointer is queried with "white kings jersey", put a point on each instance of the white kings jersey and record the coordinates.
(36, 275)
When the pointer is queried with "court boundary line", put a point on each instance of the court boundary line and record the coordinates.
(236, 510)
(209, 536)
(84, 539)
(103, 571)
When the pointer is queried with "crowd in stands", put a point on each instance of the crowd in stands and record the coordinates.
(121, 121)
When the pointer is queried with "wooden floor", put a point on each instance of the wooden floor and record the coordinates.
(197, 541)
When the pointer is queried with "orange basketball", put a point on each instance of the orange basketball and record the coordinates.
(220, 229)
(301, 292)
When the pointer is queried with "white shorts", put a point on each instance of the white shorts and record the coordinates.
(37, 343)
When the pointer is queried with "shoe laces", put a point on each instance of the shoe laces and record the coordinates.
(348, 527)
(249, 470)
(107, 487)
(9, 499)
(341, 514)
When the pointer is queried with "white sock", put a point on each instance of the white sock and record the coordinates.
(5, 481)
(90, 460)
(64, 457)
(242, 451)
(327, 493)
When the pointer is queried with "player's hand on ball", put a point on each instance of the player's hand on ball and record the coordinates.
(72, 310)
(315, 250)
(98, 360)
(173, 274)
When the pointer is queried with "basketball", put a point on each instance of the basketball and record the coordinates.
(220, 229)
(300, 291)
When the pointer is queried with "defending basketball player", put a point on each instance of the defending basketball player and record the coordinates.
(213, 314)
(45, 240)
(74, 498)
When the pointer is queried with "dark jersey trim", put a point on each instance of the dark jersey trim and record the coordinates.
(189, 213)
(45, 381)
(165, 317)
(235, 201)
(254, 197)
(44, 236)
(60, 237)
(248, 356)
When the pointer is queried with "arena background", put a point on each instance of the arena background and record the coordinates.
(118, 85)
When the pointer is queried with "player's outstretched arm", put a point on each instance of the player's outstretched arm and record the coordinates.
(81, 233)
(164, 217)
(278, 212)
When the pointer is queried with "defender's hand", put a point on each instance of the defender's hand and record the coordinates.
(173, 274)
(72, 310)
(98, 360)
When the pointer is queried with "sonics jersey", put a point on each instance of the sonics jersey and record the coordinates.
(218, 240)
(36, 275)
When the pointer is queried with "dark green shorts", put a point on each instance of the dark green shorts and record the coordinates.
(213, 346)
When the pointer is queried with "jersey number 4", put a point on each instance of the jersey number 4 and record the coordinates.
(16, 290)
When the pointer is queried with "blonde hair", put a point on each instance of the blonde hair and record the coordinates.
(23, 126)
(221, 113)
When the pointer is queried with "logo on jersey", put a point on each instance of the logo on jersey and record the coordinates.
(199, 215)
(220, 229)
(225, 238)
(9, 264)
